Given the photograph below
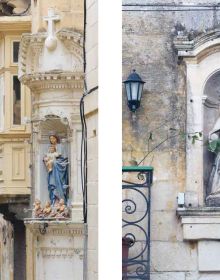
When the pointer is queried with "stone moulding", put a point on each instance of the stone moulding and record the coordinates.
(63, 252)
(59, 228)
(200, 223)
(73, 42)
(72, 35)
(187, 47)
(42, 81)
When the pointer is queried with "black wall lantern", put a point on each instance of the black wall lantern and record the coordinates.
(134, 88)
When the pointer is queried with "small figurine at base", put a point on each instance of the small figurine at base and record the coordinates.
(37, 211)
(47, 209)
(58, 211)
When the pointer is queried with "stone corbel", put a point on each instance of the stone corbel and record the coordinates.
(200, 223)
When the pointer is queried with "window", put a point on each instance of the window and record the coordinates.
(15, 51)
(16, 100)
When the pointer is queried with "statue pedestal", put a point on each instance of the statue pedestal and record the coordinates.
(55, 249)
(213, 200)
(202, 225)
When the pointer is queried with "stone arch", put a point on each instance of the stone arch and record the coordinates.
(201, 57)
(210, 116)
(51, 125)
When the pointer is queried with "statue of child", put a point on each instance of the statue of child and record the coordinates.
(50, 157)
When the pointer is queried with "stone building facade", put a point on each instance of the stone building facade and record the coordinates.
(44, 224)
(175, 48)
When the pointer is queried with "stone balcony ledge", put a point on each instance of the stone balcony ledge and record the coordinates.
(55, 227)
(201, 223)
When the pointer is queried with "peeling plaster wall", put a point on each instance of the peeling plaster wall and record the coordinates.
(148, 48)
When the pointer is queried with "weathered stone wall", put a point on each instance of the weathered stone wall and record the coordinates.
(91, 114)
(160, 122)
(71, 13)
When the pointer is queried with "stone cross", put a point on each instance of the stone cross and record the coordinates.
(51, 18)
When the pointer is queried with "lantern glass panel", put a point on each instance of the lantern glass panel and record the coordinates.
(134, 90)
(140, 91)
(128, 91)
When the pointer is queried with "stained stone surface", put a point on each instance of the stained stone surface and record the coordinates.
(148, 48)
(58, 251)
(209, 254)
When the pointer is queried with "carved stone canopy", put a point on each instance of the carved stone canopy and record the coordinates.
(37, 65)
(14, 7)
(199, 45)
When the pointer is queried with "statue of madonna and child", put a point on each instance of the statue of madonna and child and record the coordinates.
(213, 198)
(58, 182)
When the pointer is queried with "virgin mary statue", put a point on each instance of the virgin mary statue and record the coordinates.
(57, 169)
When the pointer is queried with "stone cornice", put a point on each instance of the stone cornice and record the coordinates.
(192, 47)
(201, 211)
(57, 227)
(200, 223)
(42, 81)
(15, 23)
(14, 136)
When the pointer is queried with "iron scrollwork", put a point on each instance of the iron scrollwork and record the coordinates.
(136, 223)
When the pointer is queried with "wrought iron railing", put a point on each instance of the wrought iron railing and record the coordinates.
(136, 206)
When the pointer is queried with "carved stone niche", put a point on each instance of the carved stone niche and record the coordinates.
(52, 125)
(200, 222)
(55, 250)
(201, 57)
(68, 147)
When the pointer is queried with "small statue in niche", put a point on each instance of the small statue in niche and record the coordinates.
(214, 180)
(62, 211)
(47, 209)
(38, 211)
(57, 169)
(51, 157)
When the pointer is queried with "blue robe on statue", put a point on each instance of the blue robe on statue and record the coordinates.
(58, 183)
